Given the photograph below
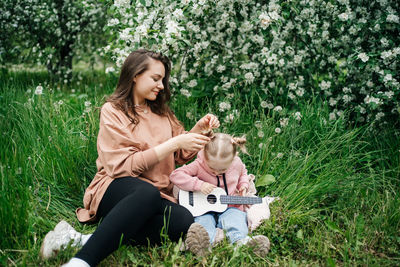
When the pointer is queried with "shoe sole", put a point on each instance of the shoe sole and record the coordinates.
(197, 240)
(260, 245)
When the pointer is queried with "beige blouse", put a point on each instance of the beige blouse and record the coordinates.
(126, 149)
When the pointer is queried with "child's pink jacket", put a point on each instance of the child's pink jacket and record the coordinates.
(190, 177)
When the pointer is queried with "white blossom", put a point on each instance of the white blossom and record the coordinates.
(39, 90)
(189, 115)
(298, 116)
(343, 16)
(192, 83)
(173, 28)
(325, 85)
(249, 77)
(389, 94)
(332, 102)
(371, 99)
(284, 122)
(113, 22)
(363, 56)
(388, 77)
(265, 20)
(264, 104)
(229, 118)
(185, 92)
(223, 106)
(392, 18)
(346, 99)
(109, 69)
(300, 92)
(122, 3)
(221, 68)
(379, 115)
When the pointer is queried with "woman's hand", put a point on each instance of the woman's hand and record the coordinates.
(207, 188)
(191, 141)
(208, 122)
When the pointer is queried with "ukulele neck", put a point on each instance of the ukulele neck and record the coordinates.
(238, 200)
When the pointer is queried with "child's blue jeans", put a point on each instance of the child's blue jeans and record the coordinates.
(233, 221)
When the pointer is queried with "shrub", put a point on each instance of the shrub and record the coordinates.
(345, 52)
(50, 32)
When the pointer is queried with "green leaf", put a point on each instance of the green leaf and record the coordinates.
(360, 224)
(265, 180)
(330, 262)
(291, 189)
(331, 225)
(299, 234)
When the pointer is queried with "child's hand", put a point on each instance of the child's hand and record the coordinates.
(242, 191)
(207, 188)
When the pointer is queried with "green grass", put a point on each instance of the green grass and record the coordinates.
(338, 186)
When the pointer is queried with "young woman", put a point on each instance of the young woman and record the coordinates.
(138, 144)
(219, 165)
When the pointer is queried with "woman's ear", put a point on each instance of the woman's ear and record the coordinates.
(134, 79)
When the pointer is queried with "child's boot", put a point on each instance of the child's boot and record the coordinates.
(260, 245)
(197, 240)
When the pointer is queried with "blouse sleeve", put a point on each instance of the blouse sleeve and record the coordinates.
(181, 156)
(118, 153)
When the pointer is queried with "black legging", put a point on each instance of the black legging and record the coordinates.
(134, 210)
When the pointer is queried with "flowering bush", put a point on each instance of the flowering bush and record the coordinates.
(49, 32)
(345, 53)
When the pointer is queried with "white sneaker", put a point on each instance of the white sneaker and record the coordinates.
(76, 262)
(59, 238)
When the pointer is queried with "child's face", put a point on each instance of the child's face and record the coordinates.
(218, 165)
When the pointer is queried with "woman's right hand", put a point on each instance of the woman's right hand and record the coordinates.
(191, 141)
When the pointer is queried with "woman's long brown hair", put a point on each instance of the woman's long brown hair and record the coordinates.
(136, 63)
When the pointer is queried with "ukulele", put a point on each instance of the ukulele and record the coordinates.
(198, 203)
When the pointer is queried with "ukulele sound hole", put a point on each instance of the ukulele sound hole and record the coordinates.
(212, 199)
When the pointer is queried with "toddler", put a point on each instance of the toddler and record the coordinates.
(218, 165)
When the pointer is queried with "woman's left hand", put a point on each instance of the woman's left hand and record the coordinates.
(209, 121)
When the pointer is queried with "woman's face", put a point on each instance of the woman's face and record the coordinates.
(149, 83)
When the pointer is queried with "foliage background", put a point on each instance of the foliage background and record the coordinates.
(343, 52)
(314, 85)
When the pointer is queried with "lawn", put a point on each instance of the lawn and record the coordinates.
(338, 185)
